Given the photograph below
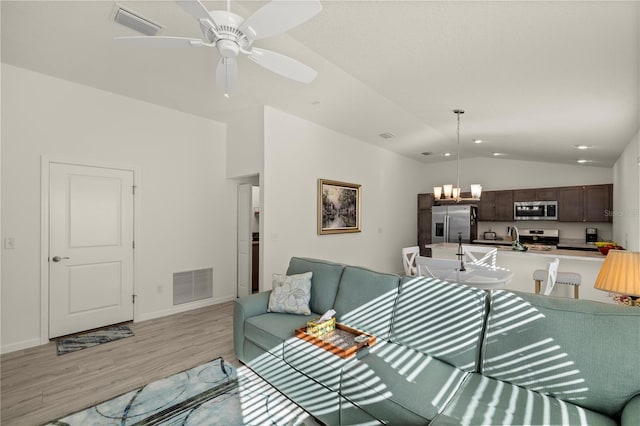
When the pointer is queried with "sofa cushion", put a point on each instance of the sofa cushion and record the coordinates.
(324, 283)
(366, 300)
(576, 350)
(486, 401)
(441, 319)
(290, 294)
(400, 386)
(270, 330)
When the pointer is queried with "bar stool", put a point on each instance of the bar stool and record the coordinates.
(553, 277)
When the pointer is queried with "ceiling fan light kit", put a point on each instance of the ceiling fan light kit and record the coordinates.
(231, 35)
(449, 192)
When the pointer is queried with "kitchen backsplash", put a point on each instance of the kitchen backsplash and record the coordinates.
(566, 230)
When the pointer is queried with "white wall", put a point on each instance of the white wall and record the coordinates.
(186, 207)
(297, 154)
(245, 141)
(495, 174)
(626, 197)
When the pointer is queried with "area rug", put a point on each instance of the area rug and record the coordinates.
(92, 338)
(215, 393)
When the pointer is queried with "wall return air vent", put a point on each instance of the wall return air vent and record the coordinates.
(190, 286)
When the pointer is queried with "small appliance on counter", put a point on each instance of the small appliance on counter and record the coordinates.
(489, 235)
(591, 235)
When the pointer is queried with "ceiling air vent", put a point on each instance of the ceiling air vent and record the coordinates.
(387, 135)
(136, 22)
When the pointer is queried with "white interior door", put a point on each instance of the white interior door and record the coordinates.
(245, 196)
(90, 247)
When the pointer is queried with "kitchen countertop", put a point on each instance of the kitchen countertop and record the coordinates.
(493, 242)
(563, 244)
(505, 247)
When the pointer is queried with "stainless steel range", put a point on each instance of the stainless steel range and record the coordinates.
(548, 237)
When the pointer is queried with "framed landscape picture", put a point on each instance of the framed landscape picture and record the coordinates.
(338, 207)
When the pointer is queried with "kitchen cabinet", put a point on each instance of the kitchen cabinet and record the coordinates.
(546, 194)
(589, 203)
(425, 202)
(570, 204)
(487, 206)
(535, 194)
(495, 206)
(524, 194)
(504, 206)
(598, 203)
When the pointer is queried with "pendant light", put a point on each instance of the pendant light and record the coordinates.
(448, 191)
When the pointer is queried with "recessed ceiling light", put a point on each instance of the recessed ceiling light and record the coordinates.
(387, 135)
(427, 153)
(582, 146)
(478, 141)
(447, 154)
(583, 161)
(498, 154)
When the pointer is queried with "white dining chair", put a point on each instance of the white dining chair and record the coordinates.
(409, 255)
(480, 255)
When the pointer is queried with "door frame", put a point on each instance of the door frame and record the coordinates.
(45, 162)
(244, 214)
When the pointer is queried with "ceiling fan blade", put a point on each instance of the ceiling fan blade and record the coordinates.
(154, 41)
(227, 75)
(283, 65)
(198, 11)
(279, 16)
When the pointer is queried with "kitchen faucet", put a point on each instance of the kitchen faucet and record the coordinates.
(516, 244)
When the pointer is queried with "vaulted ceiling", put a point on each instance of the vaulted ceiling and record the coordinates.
(536, 79)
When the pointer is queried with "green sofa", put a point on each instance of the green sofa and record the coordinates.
(447, 354)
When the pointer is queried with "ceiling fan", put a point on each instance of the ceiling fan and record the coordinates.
(231, 34)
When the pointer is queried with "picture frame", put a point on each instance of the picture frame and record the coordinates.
(339, 207)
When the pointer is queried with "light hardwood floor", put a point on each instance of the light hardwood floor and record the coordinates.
(38, 386)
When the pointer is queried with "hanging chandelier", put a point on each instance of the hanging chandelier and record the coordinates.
(448, 191)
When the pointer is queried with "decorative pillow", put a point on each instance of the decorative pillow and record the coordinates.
(291, 294)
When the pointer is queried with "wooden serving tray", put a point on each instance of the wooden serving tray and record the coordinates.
(339, 341)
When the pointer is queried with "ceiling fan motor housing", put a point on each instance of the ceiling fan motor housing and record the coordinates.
(229, 40)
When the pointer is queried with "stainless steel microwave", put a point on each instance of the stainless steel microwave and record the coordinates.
(535, 210)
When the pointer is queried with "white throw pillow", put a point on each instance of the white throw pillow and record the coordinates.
(291, 294)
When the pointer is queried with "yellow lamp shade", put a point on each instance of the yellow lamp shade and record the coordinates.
(620, 273)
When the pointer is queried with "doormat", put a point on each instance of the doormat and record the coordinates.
(215, 393)
(92, 338)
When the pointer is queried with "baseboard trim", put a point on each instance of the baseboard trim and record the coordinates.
(30, 343)
(18, 346)
(183, 308)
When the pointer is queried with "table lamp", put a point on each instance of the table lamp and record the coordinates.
(620, 273)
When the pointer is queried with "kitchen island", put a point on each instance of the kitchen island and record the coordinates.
(523, 263)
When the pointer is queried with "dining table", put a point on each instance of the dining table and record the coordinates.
(480, 275)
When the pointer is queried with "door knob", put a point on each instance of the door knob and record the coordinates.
(58, 258)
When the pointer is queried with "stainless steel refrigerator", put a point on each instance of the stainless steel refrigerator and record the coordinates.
(448, 221)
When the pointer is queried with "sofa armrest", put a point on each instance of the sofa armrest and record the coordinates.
(244, 308)
(631, 412)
